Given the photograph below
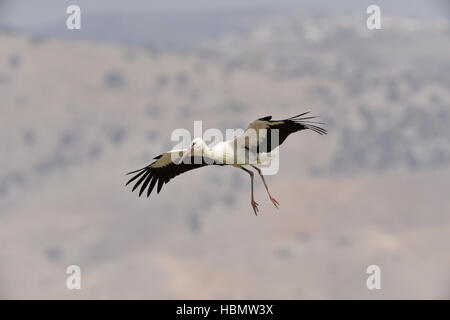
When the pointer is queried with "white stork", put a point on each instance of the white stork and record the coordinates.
(173, 163)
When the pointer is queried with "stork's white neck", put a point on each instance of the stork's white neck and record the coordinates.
(207, 151)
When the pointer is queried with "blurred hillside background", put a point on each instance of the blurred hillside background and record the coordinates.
(79, 109)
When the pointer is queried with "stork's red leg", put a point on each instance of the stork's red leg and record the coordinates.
(274, 201)
(253, 202)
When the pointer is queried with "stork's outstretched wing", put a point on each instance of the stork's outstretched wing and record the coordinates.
(165, 168)
(266, 139)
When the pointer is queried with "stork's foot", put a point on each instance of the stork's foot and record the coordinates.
(274, 201)
(255, 207)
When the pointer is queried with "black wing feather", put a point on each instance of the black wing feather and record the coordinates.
(286, 127)
(152, 185)
(141, 179)
(158, 176)
(147, 181)
(136, 176)
(160, 184)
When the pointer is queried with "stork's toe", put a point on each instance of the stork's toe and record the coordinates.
(255, 207)
(275, 202)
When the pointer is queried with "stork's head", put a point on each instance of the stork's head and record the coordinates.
(196, 148)
(197, 145)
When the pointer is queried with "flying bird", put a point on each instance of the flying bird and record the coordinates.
(253, 147)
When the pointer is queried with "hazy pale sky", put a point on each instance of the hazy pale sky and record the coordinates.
(26, 13)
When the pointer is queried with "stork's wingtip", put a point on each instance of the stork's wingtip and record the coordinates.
(131, 172)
